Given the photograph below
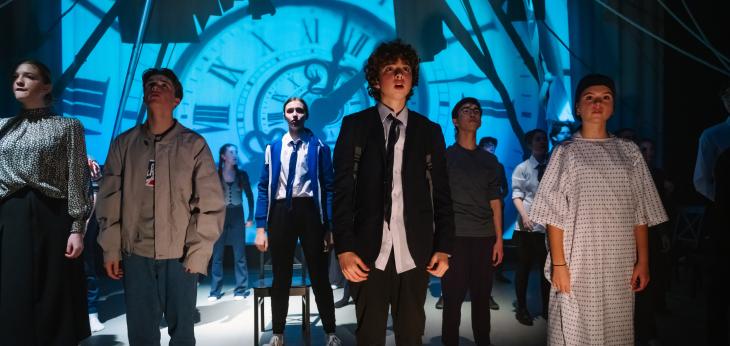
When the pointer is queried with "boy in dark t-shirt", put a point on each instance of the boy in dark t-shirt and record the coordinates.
(474, 179)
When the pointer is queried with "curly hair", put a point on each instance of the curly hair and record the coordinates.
(388, 53)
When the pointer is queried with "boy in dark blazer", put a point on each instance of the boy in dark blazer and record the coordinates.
(392, 214)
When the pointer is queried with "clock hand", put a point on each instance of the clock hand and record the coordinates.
(468, 78)
(338, 52)
(312, 75)
(328, 107)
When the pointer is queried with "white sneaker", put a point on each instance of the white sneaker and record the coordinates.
(332, 340)
(276, 340)
(238, 298)
(213, 298)
(94, 323)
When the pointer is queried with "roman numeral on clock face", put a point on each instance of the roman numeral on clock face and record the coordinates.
(209, 118)
(85, 97)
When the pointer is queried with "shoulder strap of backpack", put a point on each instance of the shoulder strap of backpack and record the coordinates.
(429, 165)
(361, 136)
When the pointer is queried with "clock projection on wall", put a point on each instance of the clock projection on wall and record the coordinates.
(239, 75)
(237, 71)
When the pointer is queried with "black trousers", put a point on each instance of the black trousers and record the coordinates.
(285, 227)
(90, 263)
(42, 293)
(234, 234)
(531, 251)
(404, 294)
(470, 268)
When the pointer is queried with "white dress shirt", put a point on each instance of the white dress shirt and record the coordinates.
(524, 186)
(302, 186)
(394, 237)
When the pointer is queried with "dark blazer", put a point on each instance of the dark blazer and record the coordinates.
(358, 208)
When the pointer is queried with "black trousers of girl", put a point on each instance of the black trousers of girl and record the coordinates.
(42, 293)
(234, 234)
(302, 223)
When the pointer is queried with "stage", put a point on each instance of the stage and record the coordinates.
(229, 322)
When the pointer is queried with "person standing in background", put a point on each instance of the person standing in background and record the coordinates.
(90, 251)
(474, 180)
(714, 141)
(530, 237)
(559, 132)
(235, 183)
(490, 144)
(652, 300)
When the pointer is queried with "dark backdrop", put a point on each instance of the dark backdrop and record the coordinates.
(691, 91)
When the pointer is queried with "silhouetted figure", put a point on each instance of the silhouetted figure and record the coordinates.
(652, 301)
(714, 142)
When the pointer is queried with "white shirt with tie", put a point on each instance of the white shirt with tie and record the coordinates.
(394, 236)
(524, 186)
(301, 187)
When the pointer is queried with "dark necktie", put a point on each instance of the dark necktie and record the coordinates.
(540, 170)
(292, 172)
(393, 135)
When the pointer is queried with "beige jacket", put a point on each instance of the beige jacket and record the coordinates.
(189, 207)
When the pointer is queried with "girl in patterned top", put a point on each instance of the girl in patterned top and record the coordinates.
(44, 203)
(597, 199)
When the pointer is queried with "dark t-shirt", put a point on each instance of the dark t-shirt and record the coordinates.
(144, 244)
(474, 180)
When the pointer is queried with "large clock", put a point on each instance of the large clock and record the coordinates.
(237, 78)
(239, 73)
(94, 63)
(241, 70)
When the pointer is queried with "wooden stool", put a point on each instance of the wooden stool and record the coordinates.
(262, 292)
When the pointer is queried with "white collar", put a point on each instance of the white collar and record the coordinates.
(401, 115)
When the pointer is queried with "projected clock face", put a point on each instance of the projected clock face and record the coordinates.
(239, 76)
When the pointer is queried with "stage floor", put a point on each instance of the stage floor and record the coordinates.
(229, 322)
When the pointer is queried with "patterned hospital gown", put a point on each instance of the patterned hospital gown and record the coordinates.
(596, 191)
